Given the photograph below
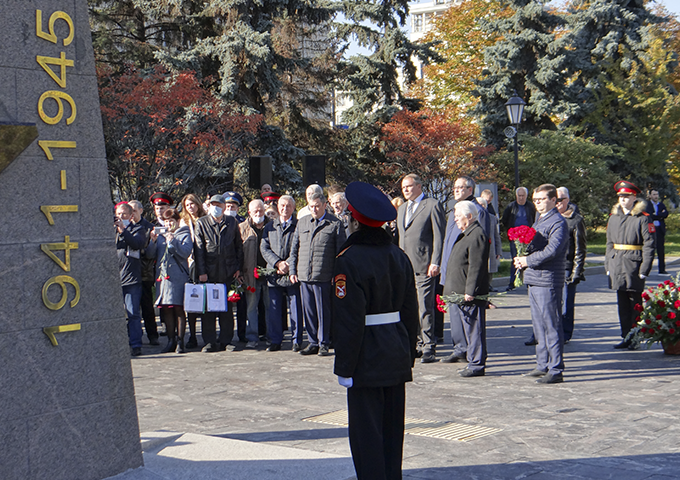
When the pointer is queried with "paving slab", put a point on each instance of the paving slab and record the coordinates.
(615, 416)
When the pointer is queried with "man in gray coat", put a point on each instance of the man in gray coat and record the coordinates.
(421, 222)
(317, 240)
(544, 277)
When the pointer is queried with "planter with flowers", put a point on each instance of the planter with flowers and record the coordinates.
(659, 317)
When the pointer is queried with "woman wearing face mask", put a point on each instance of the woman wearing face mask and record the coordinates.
(171, 250)
(192, 210)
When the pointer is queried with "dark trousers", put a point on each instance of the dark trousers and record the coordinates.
(208, 330)
(568, 303)
(472, 319)
(626, 300)
(316, 305)
(277, 307)
(460, 344)
(546, 318)
(513, 270)
(148, 312)
(660, 237)
(376, 431)
(439, 316)
(241, 317)
(426, 288)
(131, 296)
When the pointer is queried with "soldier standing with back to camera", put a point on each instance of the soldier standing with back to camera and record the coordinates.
(375, 328)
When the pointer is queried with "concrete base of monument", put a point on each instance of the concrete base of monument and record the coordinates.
(178, 456)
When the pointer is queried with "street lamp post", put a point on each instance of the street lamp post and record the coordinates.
(515, 108)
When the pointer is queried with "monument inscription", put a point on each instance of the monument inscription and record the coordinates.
(67, 403)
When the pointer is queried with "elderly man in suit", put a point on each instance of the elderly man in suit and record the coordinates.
(421, 222)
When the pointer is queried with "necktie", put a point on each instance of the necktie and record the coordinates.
(409, 211)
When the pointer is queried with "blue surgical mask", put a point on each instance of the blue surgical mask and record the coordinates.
(215, 211)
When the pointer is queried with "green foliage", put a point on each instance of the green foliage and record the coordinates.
(568, 161)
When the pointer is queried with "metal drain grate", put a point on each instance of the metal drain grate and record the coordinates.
(422, 428)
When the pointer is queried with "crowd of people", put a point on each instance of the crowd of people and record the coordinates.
(281, 258)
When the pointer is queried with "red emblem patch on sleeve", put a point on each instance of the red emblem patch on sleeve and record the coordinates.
(340, 286)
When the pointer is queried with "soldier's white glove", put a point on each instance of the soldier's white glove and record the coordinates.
(643, 276)
(345, 382)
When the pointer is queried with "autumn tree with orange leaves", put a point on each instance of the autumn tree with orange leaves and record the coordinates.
(168, 132)
(426, 143)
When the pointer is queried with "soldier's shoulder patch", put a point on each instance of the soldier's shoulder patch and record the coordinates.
(340, 285)
(343, 251)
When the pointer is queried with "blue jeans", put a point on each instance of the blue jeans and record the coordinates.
(132, 295)
(253, 299)
(277, 308)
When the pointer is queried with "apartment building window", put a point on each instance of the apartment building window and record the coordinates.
(418, 23)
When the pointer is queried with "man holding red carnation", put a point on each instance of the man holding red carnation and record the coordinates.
(544, 277)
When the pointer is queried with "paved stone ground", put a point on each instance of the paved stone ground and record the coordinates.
(615, 416)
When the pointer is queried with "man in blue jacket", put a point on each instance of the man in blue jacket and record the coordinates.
(544, 277)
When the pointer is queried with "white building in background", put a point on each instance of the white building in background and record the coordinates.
(424, 14)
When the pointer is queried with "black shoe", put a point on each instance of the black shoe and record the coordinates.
(153, 341)
(192, 343)
(453, 358)
(623, 345)
(296, 347)
(531, 341)
(274, 347)
(663, 272)
(419, 353)
(536, 372)
(492, 289)
(466, 372)
(137, 351)
(210, 348)
(171, 346)
(310, 350)
(323, 351)
(180, 347)
(428, 358)
(550, 378)
(510, 288)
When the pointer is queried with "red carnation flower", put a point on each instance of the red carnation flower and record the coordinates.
(643, 329)
(251, 289)
(677, 304)
(677, 324)
(667, 282)
(638, 307)
(672, 285)
(256, 273)
(661, 303)
(648, 321)
(659, 317)
(671, 331)
(665, 292)
(660, 285)
(671, 315)
(651, 331)
(645, 297)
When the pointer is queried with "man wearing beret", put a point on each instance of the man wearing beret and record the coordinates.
(375, 329)
(219, 256)
(629, 256)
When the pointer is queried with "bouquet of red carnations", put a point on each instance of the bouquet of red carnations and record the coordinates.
(263, 271)
(459, 298)
(235, 291)
(522, 236)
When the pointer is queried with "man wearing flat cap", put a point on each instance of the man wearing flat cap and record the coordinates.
(219, 255)
(232, 203)
(629, 256)
(375, 331)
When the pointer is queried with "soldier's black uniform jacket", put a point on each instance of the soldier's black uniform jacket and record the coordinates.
(625, 266)
(372, 276)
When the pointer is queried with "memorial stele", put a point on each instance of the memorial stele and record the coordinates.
(67, 403)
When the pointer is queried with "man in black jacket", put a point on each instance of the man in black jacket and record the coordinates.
(277, 241)
(520, 212)
(218, 254)
(468, 274)
(375, 328)
(130, 240)
(658, 214)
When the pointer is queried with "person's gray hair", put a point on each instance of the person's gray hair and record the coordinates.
(524, 189)
(287, 198)
(466, 207)
(136, 204)
(257, 202)
(317, 196)
(314, 188)
(416, 179)
(469, 182)
(341, 195)
(563, 192)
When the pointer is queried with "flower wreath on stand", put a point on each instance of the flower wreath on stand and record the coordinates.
(659, 316)
(522, 236)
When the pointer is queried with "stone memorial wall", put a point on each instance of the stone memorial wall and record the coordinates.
(67, 406)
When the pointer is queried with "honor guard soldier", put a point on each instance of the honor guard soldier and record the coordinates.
(630, 252)
(375, 330)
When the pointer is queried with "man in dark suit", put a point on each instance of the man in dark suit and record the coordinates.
(658, 214)
(421, 222)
